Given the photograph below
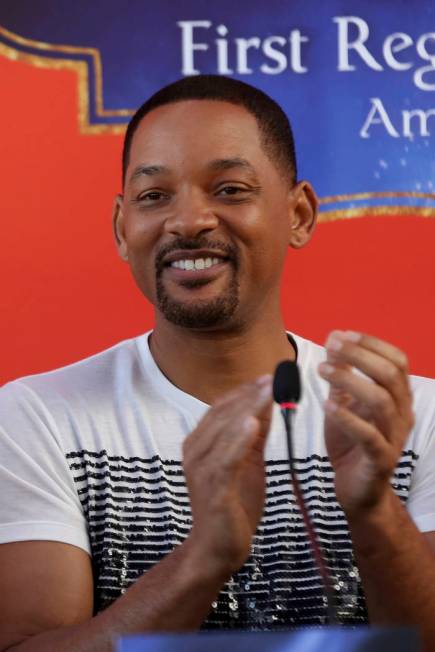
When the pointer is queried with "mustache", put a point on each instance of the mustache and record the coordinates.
(202, 242)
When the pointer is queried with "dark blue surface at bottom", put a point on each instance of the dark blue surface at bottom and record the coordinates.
(327, 639)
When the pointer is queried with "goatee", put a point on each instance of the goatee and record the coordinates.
(199, 313)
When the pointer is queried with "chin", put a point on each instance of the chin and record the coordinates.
(199, 314)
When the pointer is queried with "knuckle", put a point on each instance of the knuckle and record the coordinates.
(221, 400)
(382, 400)
(402, 361)
(392, 373)
(228, 464)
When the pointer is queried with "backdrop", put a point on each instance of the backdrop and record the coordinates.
(357, 80)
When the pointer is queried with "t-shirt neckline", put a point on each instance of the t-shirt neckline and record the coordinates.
(194, 406)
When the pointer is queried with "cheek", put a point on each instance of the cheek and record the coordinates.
(140, 244)
(143, 274)
(267, 246)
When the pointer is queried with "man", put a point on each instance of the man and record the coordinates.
(128, 503)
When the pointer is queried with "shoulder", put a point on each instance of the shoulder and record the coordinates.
(70, 404)
(84, 377)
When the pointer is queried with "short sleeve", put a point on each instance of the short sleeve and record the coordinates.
(38, 500)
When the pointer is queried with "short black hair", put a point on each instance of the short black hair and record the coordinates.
(274, 126)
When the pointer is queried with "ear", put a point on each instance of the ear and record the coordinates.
(118, 227)
(304, 208)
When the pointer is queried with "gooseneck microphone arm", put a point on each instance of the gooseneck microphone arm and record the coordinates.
(287, 392)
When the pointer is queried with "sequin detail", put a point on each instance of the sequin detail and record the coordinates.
(138, 510)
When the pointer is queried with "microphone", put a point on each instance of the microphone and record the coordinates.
(287, 393)
(287, 385)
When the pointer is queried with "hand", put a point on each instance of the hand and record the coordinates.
(367, 418)
(224, 468)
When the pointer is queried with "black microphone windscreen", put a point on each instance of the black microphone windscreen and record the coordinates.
(287, 383)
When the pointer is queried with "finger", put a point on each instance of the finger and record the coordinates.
(335, 394)
(225, 432)
(232, 454)
(379, 368)
(264, 418)
(374, 344)
(223, 422)
(382, 348)
(361, 432)
(224, 404)
(264, 413)
(240, 390)
(222, 470)
(376, 399)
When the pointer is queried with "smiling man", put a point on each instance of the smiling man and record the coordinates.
(147, 488)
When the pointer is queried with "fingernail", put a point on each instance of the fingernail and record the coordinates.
(265, 390)
(330, 406)
(326, 369)
(266, 379)
(334, 345)
(352, 336)
(334, 341)
(248, 424)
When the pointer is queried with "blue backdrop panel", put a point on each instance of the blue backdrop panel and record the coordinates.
(356, 78)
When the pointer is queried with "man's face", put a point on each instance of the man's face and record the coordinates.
(206, 217)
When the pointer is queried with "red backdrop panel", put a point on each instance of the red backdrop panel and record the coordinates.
(66, 294)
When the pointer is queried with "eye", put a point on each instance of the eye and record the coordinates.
(152, 196)
(230, 190)
(234, 194)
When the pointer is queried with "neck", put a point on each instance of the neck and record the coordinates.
(208, 364)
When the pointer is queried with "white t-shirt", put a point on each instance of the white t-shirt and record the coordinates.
(90, 455)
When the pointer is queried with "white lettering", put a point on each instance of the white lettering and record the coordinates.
(188, 46)
(423, 117)
(378, 115)
(296, 39)
(243, 45)
(344, 46)
(396, 43)
(426, 56)
(275, 55)
(222, 51)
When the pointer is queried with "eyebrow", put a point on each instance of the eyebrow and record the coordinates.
(230, 163)
(217, 165)
(147, 170)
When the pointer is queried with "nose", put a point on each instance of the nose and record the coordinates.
(192, 215)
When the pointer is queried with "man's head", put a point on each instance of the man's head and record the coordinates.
(273, 124)
(210, 203)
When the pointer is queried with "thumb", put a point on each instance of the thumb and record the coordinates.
(263, 420)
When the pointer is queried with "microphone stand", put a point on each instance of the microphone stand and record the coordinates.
(287, 411)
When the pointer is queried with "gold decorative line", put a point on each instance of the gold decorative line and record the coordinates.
(375, 195)
(376, 211)
(71, 49)
(81, 69)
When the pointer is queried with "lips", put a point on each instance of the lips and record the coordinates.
(194, 260)
(192, 276)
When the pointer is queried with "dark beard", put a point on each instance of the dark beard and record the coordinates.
(200, 313)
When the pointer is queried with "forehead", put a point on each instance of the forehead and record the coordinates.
(188, 132)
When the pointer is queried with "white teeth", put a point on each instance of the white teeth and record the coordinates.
(197, 263)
